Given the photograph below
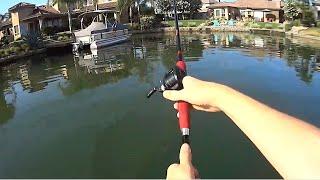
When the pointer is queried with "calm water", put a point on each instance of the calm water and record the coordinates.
(83, 117)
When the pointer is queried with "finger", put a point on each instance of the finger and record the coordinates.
(211, 109)
(196, 174)
(173, 95)
(186, 80)
(175, 106)
(185, 155)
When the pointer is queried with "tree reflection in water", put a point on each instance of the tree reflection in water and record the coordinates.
(139, 58)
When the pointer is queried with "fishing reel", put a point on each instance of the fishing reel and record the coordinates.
(172, 80)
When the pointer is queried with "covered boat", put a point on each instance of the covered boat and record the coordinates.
(100, 34)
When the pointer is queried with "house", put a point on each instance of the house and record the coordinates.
(6, 27)
(260, 10)
(27, 18)
(88, 5)
(204, 11)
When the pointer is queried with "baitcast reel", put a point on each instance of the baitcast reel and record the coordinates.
(172, 80)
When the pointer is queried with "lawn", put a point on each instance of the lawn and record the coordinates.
(314, 31)
(186, 23)
(266, 25)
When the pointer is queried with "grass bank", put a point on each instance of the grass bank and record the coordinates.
(314, 31)
(265, 25)
(186, 23)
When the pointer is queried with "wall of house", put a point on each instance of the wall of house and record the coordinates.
(20, 28)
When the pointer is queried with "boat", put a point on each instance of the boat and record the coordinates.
(100, 34)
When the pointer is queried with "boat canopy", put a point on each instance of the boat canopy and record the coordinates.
(94, 26)
(98, 12)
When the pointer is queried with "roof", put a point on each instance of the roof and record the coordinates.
(251, 4)
(43, 11)
(110, 5)
(20, 5)
(5, 23)
(208, 1)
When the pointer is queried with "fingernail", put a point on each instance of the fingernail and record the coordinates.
(185, 147)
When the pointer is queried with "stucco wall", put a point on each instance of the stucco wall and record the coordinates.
(16, 16)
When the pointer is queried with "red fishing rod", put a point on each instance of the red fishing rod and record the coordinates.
(173, 81)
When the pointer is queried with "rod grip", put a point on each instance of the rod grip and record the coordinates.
(184, 115)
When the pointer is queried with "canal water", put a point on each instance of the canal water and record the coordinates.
(87, 116)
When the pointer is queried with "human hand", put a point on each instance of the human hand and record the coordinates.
(185, 169)
(200, 94)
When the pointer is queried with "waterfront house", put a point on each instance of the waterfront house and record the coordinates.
(27, 18)
(88, 5)
(204, 11)
(260, 10)
(6, 28)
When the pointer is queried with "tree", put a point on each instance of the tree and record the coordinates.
(194, 7)
(67, 3)
(188, 6)
(291, 10)
(164, 6)
(123, 5)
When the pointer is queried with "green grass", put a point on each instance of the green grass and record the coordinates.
(266, 25)
(186, 23)
(314, 31)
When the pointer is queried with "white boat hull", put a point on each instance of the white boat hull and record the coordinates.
(109, 41)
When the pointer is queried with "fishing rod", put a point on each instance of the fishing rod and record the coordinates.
(173, 81)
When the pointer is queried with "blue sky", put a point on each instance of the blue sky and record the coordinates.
(6, 4)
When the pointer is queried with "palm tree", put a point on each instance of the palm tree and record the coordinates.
(122, 5)
(67, 3)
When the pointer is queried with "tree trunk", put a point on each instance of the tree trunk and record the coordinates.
(69, 18)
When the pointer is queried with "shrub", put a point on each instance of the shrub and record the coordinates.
(1, 53)
(25, 47)
(318, 24)
(296, 22)
(148, 22)
(287, 27)
(34, 40)
(49, 31)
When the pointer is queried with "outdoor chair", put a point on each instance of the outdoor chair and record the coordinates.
(216, 23)
(231, 22)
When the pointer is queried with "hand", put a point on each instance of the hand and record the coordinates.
(185, 169)
(200, 94)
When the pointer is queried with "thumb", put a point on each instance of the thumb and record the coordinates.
(185, 155)
(173, 95)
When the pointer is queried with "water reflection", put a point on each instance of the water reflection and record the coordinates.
(305, 59)
(139, 58)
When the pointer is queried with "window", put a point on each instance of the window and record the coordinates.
(16, 30)
(217, 12)
(89, 2)
(223, 13)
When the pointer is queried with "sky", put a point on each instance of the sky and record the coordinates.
(6, 4)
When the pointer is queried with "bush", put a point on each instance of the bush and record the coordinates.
(34, 40)
(148, 22)
(296, 22)
(1, 53)
(287, 27)
(308, 18)
(49, 31)
(318, 24)
(25, 47)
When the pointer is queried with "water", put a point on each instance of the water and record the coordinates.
(76, 117)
